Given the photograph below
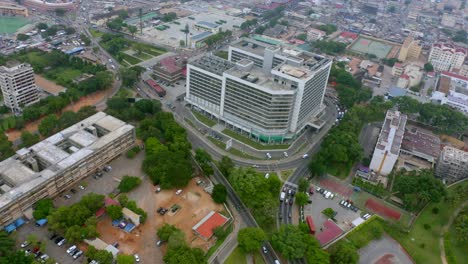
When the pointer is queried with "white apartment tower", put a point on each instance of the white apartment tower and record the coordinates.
(452, 165)
(266, 91)
(18, 86)
(388, 145)
(447, 57)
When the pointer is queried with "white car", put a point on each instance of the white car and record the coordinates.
(81, 187)
(268, 155)
(71, 249)
(61, 242)
(285, 154)
(178, 192)
(78, 254)
(137, 258)
(25, 244)
(305, 156)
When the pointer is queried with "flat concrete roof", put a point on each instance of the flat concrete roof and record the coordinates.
(53, 154)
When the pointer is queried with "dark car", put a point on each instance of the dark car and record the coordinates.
(73, 191)
(53, 236)
(291, 201)
(116, 245)
(58, 239)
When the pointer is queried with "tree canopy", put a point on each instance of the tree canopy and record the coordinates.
(101, 256)
(416, 188)
(251, 239)
(43, 208)
(128, 183)
(344, 253)
(226, 165)
(204, 159)
(114, 211)
(219, 193)
(293, 243)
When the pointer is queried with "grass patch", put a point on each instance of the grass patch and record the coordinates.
(339, 170)
(237, 257)
(95, 33)
(233, 151)
(258, 259)
(365, 233)
(252, 143)
(218, 143)
(130, 59)
(62, 75)
(205, 120)
(189, 122)
(454, 249)
(285, 174)
(143, 56)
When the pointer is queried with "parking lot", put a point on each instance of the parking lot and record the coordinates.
(343, 218)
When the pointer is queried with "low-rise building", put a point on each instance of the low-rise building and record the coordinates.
(388, 145)
(315, 34)
(47, 168)
(420, 148)
(11, 9)
(170, 69)
(452, 165)
(211, 221)
(397, 69)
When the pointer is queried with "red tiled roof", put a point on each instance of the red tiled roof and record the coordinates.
(454, 75)
(330, 232)
(100, 212)
(350, 35)
(169, 64)
(206, 226)
(109, 201)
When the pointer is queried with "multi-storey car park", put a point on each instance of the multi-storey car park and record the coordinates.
(270, 92)
(49, 167)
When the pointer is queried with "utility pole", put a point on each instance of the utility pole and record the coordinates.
(141, 21)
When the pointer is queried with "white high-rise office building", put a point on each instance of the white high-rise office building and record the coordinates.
(271, 93)
(18, 86)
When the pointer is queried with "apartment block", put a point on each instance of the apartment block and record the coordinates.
(411, 49)
(388, 145)
(447, 57)
(452, 165)
(18, 85)
(266, 91)
(47, 168)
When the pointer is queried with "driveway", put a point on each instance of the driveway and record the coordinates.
(383, 251)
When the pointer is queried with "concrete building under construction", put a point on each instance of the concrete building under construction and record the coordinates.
(452, 165)
(49, 167)
(388, 145)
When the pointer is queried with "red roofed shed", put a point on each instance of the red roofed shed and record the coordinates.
(330, 232)
(205, 227)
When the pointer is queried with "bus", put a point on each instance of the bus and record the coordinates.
(310, 223)
(159, 90)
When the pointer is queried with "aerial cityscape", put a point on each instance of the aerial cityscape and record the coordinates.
(237, 132)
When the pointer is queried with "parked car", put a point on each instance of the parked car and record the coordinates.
(27, 252)
(25, 244)
(71, 249)
(158, 189)
(305, 156)
(81, 187)
(61, 242)
(159, 243)
(67, 196)
(58, 239)
(53, 236)
(116, 245)
(107, 168)
(78, 254)
(178, 192)
(44, 257)
(137, 258)
(73, 191)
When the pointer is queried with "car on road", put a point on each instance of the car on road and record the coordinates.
(25, 244)
(291, 201)
(285, 154)
(264, 249)
(305, 156)
(67, 196)
(268, 155)
(289, 215)
(137, 258)
(254, 166)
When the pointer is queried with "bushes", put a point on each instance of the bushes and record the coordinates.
(133, 152)
(43, 208)
(366, 232)
(219, 193)
(128, 183)
(377, 190)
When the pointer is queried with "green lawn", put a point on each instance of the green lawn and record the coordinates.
(458, 248)
(130, 59)
(66, 74)
(252, 143)
(95, 33)
(423, 244)
(205, 120)
(233, 151)
(143, 56)
(339, 170)
(237, 257)
(36, 58)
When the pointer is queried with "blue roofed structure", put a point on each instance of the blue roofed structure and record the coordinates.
(41, 222)
(19, 222)
(10, 228)
(129, 228)
(206, 24)
(74, 50)
(396, 92)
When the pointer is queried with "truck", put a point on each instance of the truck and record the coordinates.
(282, 196)
(310, 223)
(159, 90)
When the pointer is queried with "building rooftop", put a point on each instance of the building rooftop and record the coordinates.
(420, 140)
(391, 135)
(330, 232)
(170, 64)
(207, 24)
(33, 166)
(451, 154)
(201, 36)
(212, 64)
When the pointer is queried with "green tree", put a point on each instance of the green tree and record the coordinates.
(428, 67)
(92, 201)
(166, 231)
(43, 208)
(226, 165)
(114, 211)
(132, 29)
(101, 256)
(28, 139)
(219, 193)
(302, 36)
(67, 119)
(202, 156)
(329, 212)
(302, 199)
(48, 125)
(460, 36)
(22, 37)
(344, 253)
(5, 147)
(391, 9)
(128, 183)
(251, 239)
(182, 43)
(177, 239)
(125, 259)
(41, 26)
(329, 28)
(293, 243)
(461, 226)
(60, 12)
(6, 243)
(185, 254)
(303, 185)
(70, 31)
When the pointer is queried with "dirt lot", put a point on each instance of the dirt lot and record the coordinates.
(47, 85)
(195, 203)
